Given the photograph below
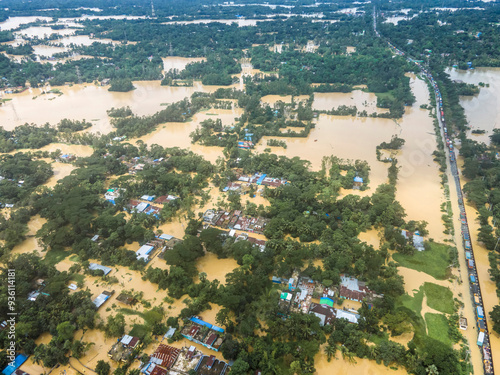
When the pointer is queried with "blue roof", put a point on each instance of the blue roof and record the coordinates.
(259, 181)
(358, 179)
(20, 359)
(203, 323)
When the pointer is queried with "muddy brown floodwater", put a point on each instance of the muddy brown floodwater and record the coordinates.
(343, 136)
(482, 110)
(90, 102)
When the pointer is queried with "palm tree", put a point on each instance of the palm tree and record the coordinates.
(38, 355)
(330, 351)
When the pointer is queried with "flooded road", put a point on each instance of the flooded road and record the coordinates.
(482, 110)
(488, 287)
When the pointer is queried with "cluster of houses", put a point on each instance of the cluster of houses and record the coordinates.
(235, 220)
(203, 333)
(138, 163)
(169, 360)
(173, 361)
(244, 182)
(262, 179)
(302, 294)
(159, 244)
(142, 205)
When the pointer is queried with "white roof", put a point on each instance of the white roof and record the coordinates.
(303, 294)
(72, 286)
(141, 206)
(143, 252)
(351, 317)
(350, 283)
(95, 266)
(101, 298)
(170, 332)
(126, 339)
(166, 237)
(232, 232)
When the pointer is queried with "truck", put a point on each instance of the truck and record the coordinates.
(472, 279)
(467, 245)
(481, 325)
(476, 299)
(468, 255)
(470, 264)
(479, 312)
(480, 339)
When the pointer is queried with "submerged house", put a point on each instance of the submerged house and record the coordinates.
(357, 182)
(415, 238)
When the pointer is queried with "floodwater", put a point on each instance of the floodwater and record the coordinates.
(15, 22)
(324, 101)
(176, 134)
(61, 170)
(179, 63)
(482, 110)
(216, 269)
(371, 237)
(42, 32)
(240, 22)
(30, 244)
(90, 102)
(419, 173)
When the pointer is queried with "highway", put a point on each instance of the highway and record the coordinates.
(473, 277)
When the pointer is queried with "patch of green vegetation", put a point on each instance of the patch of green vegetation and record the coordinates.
(437, 327)
(126, 311)
(435, 260)
(411, 306)
(384, 95)
(439, 298)
(378, 338)
(74, 258)
(78, 277)
(53, 257)
(413, 303)
(139, 330)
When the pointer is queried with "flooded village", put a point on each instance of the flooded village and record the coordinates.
(245, 231)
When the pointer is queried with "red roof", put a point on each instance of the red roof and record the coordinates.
(210, 361)
(211, 339)
(193, 331)
(161, 199)
(167, 354)
(351, 294)
(158, 371)
(133, 342)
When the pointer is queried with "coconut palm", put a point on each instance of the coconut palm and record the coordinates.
(330, 351)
